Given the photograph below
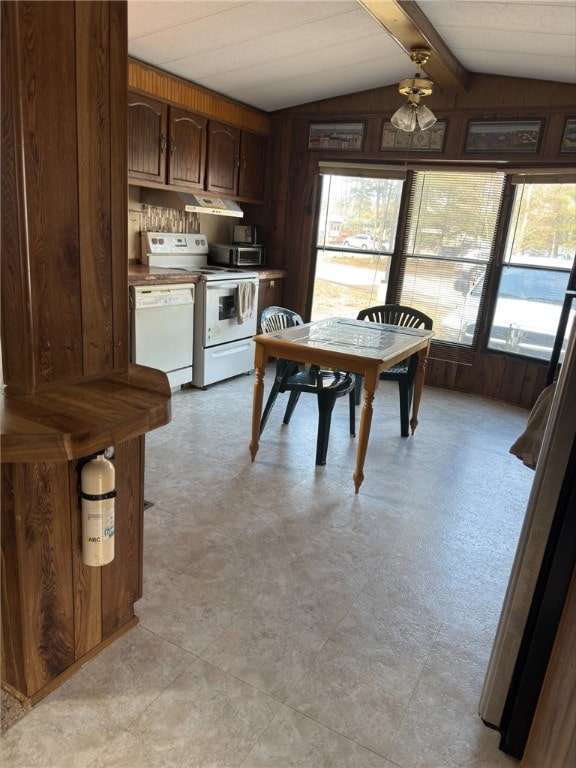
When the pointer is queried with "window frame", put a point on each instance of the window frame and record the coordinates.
(515, 178)
(443, 350)
(357, 171)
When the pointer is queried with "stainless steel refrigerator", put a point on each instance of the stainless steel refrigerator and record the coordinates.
(541, 572)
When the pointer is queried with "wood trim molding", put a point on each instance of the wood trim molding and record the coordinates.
(408, 26)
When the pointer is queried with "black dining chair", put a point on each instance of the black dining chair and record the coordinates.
(327, 385)
(403, 372)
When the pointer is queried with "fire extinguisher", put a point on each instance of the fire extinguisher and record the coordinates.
(98, 494)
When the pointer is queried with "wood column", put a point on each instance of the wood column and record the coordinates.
(69, 389)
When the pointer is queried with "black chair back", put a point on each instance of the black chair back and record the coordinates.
(403, 372)
(396, 314)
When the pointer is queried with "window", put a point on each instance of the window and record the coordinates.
(451, 226)
(356, 235)
(538, 258)
(447, 260)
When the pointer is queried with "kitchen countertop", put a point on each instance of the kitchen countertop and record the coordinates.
(142, 274)
(75, 420)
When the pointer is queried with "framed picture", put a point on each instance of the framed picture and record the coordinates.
(569, 137)
(504, 136)
(430, 140)
(341, 136)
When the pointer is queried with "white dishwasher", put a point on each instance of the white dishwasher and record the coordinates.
(162, 329)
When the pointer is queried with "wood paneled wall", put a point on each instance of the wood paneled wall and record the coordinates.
(175, 90)
(497, 376)
(64, 275)
(288, 221)
(57, 612)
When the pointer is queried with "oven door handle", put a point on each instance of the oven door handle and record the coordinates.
(212, 285)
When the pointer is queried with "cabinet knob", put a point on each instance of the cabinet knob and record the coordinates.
(162, 143)
(172, 145)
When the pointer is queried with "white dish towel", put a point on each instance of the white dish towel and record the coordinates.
(246, 296)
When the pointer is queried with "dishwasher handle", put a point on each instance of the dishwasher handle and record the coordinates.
(150, 297)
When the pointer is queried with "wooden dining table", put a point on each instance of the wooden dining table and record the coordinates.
(340, 343)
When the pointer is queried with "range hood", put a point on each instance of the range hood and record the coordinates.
(193, 203)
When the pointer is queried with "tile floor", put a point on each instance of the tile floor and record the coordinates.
(288, 622)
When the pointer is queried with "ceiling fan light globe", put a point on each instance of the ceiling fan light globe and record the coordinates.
(426, 118)
(404, 119)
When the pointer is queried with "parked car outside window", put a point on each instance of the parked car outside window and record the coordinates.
(362, 241)
(526, 315)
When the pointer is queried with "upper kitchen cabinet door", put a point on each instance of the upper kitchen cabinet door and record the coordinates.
(223, 158)
(147, 138)
(187, 148)
(252, 166)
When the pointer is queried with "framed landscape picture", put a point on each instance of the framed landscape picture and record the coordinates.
(430, 140)
(569, 137)
(521, 136)
(340, 136)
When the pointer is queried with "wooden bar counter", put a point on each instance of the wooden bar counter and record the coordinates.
(57, 612)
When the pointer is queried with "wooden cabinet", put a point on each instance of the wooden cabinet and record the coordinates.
(252, 165)
(147, 138)
(165, 144)
(186, 148)
(236, 162)
(223, 158)
(169, 145)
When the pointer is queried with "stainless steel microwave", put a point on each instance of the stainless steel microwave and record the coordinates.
(237, 255)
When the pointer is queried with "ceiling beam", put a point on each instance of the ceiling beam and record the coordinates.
(410, 28)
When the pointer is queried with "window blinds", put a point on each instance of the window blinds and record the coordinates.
(448, 249)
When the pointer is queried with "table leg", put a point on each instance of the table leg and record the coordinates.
(370, 383)
(418, 384)
(260, 360)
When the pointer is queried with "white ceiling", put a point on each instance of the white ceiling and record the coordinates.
(273, 54)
